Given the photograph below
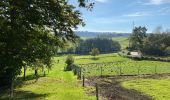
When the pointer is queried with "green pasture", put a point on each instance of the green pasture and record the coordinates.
(157, 89)
(119, 66)
(57, 85)
(124, 42)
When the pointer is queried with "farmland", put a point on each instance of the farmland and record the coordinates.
(146, 78)
(113, 64)
(84, 50)
(143, 80)
(124, 42)
(57, 85)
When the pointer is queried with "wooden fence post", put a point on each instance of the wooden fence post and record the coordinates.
(77, 72)
(155, 69)
(101, 71)
(138, 70)
(83, 81)
(97, 94)
(80, 73)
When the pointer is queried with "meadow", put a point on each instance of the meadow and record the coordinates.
(124, 42)
(157, 89)
(56, 85)
(113, 64)
(61, 85)
(137, 80)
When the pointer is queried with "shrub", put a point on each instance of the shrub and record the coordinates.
(167, 50)
(94, 52)
(69, 62)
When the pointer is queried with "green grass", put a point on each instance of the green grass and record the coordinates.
(101, 58)
(60, 85)
(126, 67)
(158, 89)
(57, 85)
(124, 42)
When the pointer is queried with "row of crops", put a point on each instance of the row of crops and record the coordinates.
(124, 68)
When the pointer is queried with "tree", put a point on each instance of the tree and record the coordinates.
(137, 37)
(104, 45)
(30, 31)
(94, 52)
(156, 44)
(167, 50)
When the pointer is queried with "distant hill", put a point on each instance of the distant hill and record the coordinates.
(124, 42)
(87, 34)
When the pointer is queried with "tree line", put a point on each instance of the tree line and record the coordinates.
(156, 43)
(104, 45)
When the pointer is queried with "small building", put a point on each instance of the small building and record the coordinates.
(136, 54)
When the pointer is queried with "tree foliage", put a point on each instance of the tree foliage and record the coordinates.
(69, 62)
(150, 44)
(104, 45)
(137, 37)
(32, 30)
(94, 52)
(156, 44)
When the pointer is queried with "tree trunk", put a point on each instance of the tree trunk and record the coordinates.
(12, 88)
(44, 74)
(48, 69)
(36, 73)
(24, 77)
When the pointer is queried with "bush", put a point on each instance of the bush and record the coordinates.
(69, 62)
(94, 52)
(167, 50)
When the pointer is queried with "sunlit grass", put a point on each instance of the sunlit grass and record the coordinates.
(158, 89)
(126, 66)
(124, 42)
(57, 85)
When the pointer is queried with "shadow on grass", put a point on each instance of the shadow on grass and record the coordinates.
(112, 89)
(19, 82)
(98, 57)
(95, 58)
(23, 95)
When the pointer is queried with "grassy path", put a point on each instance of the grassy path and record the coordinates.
(57, 85)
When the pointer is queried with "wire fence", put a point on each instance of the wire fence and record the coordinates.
(119, 68)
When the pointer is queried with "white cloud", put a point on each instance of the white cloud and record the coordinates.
(157, 2)
(138, 14)
(109, 20)
(164, 11)
(102, 1)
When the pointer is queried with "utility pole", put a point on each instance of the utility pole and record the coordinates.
(133, 27)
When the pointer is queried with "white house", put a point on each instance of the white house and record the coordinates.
(136, 54)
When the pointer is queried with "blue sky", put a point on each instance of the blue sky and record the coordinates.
(118, 15)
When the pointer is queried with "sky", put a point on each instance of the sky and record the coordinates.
(119, 15)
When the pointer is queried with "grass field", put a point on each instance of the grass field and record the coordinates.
(57, 85)
(60, 85)
(130, 89)
(157, 89)
(125, 66)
